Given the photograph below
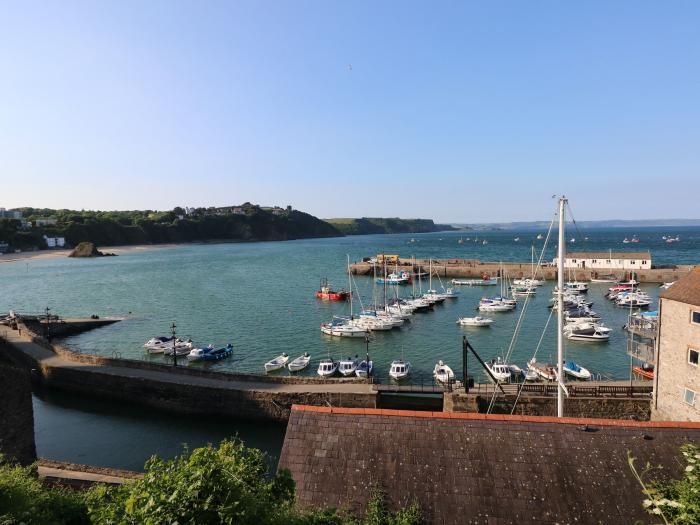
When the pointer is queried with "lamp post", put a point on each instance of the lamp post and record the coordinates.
(172, 330)
(369, 371)
(48, 324)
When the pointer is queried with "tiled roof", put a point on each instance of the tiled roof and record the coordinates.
(608, 255)
(686, 289)
(473, 468)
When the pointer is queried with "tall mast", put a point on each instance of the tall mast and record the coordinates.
(560, 309)
(430, 277)
(350, 285)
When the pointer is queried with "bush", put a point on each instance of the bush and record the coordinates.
(23, 499)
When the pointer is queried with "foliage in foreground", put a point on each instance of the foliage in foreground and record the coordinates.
(225, 484)
(674, 501)
(23, 499)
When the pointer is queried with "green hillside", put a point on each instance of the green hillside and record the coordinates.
(369, 225)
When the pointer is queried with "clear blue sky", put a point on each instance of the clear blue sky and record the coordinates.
(458, 111)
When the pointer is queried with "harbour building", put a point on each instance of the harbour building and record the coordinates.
(677, 374)
(609, 260)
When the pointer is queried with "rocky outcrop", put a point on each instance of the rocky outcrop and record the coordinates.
(87, 249)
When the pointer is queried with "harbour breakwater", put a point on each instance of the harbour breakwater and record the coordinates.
(185, 390)
(476, 269)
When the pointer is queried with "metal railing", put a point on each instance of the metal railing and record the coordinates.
(550, 389)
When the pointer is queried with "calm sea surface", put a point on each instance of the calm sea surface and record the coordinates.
(260, 297)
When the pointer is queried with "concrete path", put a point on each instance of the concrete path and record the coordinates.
(81, 477)
(50, 359)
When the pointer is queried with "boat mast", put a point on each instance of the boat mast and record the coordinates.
(430, 277)
(350, 285)
(560, 309)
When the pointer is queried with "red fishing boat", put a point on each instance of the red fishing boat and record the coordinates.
(327, 294)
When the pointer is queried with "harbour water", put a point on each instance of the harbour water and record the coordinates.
(260, 297)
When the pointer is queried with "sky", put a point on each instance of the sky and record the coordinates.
(457, 111)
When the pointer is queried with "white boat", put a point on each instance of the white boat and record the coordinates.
(157, 342)
(491, 281)
(575, 370)
(400, 369)
(327, 368)
(529, 282)
(347, 366)
(475, 321)
(666, 286)
(443, 373)
(517, 239)
(277, 363)
(450, 293)
(531, 375)
(181, 348)
(364, 369)
(587, 331)
(523, 291)
(609, 278)
(339, 327)
(544, 371)
(540, 236)
(575, 286)
(299, 363)
(499, 369)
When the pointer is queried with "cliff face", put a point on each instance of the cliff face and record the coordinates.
(369, 225)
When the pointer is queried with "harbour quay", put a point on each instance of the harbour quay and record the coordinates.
(619, 266)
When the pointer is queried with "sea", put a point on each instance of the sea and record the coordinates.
(260, 297)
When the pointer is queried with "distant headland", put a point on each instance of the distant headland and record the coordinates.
(373, 225)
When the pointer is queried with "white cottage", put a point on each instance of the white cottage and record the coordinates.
(607, 260)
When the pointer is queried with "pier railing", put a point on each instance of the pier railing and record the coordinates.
(574, 390)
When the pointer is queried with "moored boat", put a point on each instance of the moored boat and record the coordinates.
(544, 371)
(399, 369)
(646, 371)
(443, 373)
(209, 353)
(327, 294)
(299, 363)
(327, 368)
(499, 369)
(364, 369)
(348, 366)
(475, 321)
(575, 370)
(277, 363)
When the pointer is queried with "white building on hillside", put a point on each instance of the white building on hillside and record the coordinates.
(55, 242)
(607, 260)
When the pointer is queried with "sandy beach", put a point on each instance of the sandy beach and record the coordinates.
(53, 254)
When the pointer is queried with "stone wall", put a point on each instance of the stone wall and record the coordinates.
(16, 415)
(590, 407)
(196, 399)
(673, 371)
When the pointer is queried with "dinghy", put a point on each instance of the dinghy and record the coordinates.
(277, 363)
(299, 363)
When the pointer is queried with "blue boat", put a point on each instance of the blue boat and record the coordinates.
(210, 353)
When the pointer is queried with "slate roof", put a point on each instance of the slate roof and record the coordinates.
(474, 468)
(686, 289)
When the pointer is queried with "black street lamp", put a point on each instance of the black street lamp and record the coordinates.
(48, 324)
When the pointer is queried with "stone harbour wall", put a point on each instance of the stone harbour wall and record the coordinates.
(16, 415)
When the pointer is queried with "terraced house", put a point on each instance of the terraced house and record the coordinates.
(677, 375)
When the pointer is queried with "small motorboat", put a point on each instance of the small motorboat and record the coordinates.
(327, 368)
(475, 321)
(575, 370)
(666, 286)
(608, 278)
(587, 331)
(499, 369)
(450, 293)
(495, 307)
(158, 345)
(400, 369)
(523, 290)
(277, 363)
(443, 373)
(210, 353)
(545, 371)
(181, 348)
(540, 236)
(327, 294)
(364, 369)
(646, 371)
(486, 281)
(299, 363)
(347, 366)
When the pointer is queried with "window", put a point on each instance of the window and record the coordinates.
(689, 396)
(595, 261)
(608, 261)
(573, 260)
(644, 262)
(693, 356)
(631, 262)
(696, 317)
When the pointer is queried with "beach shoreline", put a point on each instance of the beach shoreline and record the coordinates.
(55, 254)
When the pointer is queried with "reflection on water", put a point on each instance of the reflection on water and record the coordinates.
(73, 428)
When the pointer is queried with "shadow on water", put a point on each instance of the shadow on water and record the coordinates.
(70, 427)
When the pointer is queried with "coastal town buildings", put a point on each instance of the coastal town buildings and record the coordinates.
(609, 260)
(45, 222)
(10, 214)
(55, 242)
(677, 373)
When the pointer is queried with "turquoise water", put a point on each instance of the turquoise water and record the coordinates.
(260, 297)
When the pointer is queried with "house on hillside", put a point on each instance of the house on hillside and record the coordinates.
(677, 373)
(55, 242)
(45, 222)
(609, 260)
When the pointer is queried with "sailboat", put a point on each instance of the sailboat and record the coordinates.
(342, 327)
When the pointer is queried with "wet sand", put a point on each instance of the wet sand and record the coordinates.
(53, 254)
